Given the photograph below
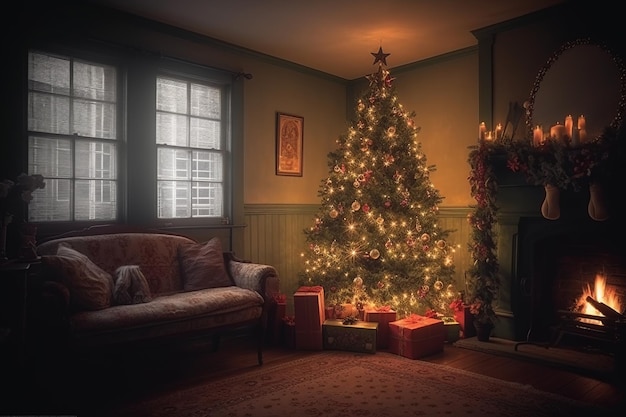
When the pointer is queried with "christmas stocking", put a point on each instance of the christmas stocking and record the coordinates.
(550, 208)
(597, 207)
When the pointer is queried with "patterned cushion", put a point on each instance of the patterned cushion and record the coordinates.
(203, 266)
(131, 286)
(90, 287)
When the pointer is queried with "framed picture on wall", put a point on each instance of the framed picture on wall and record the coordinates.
(289, 142)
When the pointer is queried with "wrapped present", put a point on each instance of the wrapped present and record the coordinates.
(289, 332)
(383, 316)
(416, 336)
(308, 303)
(452, 329)
(352, 335)
(466, 321)
(329, 312)
(345, 310)
(276, 318)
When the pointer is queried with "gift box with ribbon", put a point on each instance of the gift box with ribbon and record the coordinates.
(350, 334)
(308, 303)
(466, 321)
(452, 329)
(416, 336)
(383, 316)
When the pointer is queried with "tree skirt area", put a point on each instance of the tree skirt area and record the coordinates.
(592, 363)
(337, 383)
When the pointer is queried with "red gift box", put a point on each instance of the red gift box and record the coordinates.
(383, 316)
(466, 321)
(308, 303)
(276, 319)
(416, 336)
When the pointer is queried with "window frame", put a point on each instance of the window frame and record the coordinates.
(95, 56)
(195, 73)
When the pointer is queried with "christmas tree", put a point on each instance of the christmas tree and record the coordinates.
(375, 240)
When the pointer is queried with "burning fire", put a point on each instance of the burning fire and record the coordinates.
(602, 294)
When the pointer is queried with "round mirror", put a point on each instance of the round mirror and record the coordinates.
(582, 78)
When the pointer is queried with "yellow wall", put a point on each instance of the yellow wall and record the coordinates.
(444, 95)
(322, 104)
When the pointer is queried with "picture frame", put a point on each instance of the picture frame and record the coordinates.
(289, 144)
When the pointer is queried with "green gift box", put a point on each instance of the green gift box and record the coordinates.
(452, 329)
(359, 336)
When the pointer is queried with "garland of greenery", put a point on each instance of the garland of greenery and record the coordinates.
(483, 285)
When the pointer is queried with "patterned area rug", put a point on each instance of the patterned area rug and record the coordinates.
(335, 383)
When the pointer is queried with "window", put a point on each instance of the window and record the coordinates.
(72, 138)
(190, 137)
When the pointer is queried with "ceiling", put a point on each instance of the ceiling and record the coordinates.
(336, 36)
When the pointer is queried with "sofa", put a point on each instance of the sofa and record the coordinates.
(106, 287)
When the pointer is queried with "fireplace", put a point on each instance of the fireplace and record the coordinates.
(546, 265)
(561, 262)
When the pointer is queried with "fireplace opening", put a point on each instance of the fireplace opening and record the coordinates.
(567, 267)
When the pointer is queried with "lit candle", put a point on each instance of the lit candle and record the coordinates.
(569, 126)
(557, 131)
(537, 136)
(582, 129)
(498, 131)
(482, 129)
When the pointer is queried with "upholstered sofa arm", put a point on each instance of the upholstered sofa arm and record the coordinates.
(258, 277)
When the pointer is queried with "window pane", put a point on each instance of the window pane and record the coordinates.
(96, 160)
(50, 157)
(52, 203)
(48, 113)
(173, 164)
(95, 82)
(205, 101)
(207, 166)
(94, 119)
(207, 199)
(171, 95)
(89, 200)
(174, 199)
(171, 129)
(48, 74)
(204, 133)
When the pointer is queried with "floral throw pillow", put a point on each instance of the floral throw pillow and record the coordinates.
(203, 265)
(131, 286)
(90, 287)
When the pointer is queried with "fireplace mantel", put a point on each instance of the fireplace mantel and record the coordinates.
(520, 225)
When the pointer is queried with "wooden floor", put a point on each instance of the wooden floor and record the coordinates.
(123, 380)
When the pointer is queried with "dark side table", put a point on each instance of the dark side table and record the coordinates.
(14, 277)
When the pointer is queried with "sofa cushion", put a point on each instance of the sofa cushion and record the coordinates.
(131, 286)
(90, 287)
(203, 266)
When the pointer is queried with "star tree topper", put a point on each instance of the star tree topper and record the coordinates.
(380, 56)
